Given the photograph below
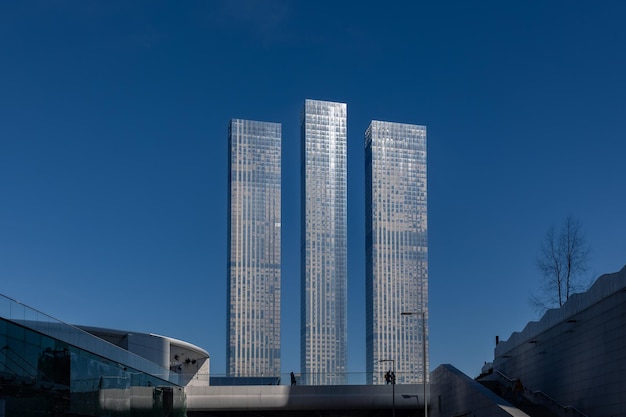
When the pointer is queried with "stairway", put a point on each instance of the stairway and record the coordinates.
(528, 407)
(535, 410)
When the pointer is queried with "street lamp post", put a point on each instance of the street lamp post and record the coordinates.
(417, 399)
(421, 313)
(393, 384)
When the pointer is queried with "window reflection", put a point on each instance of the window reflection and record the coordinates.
(396, 247)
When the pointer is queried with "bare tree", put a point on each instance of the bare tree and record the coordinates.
(562, 260)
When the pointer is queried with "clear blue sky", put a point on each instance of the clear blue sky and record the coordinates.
(113, 150)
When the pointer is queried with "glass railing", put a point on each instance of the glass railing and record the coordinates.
(28, 317)
(348, 378)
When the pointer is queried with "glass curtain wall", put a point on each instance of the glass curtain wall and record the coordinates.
(41, 372)
(254, 231)
(324, 243)
(396, 251)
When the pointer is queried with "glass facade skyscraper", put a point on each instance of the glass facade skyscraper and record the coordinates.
(396, 251)
(323, 316)
(254, 232)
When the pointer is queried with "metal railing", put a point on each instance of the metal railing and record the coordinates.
(302, 379)
(545, 399)
(25, 316)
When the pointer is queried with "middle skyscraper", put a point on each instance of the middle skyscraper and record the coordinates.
(323, 334)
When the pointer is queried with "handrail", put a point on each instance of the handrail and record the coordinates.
(564, 407)
(539, 392)
(504, 376)
(75, 336)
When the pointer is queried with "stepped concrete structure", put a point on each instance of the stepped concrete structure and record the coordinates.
(574, 356)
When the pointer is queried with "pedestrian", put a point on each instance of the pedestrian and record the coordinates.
(518, 391)
(293, 379)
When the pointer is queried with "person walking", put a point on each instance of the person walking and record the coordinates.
(518, 391)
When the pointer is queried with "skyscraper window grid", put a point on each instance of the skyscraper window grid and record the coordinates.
(324, 243)
(396, 250)
(254, 238)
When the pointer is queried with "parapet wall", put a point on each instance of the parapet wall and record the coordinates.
(456, 394)
(575, 354)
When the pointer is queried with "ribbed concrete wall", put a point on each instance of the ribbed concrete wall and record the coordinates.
(576, 354)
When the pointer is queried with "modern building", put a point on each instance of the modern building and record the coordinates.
(48, 367)
(254, 231)
(396, 252)
(323, 341)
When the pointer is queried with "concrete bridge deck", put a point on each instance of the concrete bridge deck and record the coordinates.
(344, 399)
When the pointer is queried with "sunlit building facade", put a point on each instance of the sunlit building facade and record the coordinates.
(254, 236)
(396, 251)
(324, 243)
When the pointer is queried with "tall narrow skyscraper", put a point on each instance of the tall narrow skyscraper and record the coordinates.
(254, 230)
(396, 251)
(323, 341)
